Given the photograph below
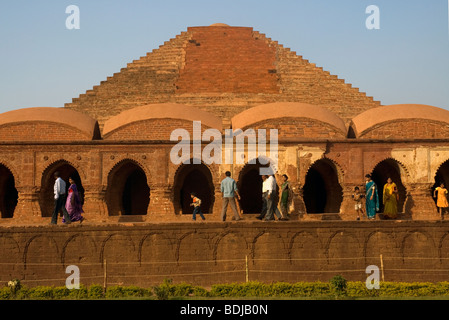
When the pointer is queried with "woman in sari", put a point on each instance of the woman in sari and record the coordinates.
(372, 198)
(286, 197)
(390, 199)
(73, 204)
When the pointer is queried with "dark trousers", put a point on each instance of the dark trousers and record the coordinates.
(271, 206)
(60, 203)
(197, 210)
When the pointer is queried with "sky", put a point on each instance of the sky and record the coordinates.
(45, 64)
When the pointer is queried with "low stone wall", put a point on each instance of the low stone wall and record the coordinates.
(205, 253)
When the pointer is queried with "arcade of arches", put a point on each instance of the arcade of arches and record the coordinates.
(129, 189)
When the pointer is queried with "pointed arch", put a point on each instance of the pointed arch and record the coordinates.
(394, 169)
(196, 177)
(8, 193)
(249, 184)
(128, 191)
(322, 191)
(66, 169)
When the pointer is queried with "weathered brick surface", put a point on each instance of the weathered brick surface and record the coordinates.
(223, 70)
(40, 131)
(299, 128)
(409, 128)
(212, 252)
(155, 129)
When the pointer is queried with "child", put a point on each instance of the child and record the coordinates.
(441, 200)
(196, 206)
(357, 196)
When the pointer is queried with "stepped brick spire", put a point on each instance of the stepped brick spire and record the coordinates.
(224, 70)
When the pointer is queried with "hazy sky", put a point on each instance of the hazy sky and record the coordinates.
(42, 63)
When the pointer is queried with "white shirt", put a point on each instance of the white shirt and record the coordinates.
(268, 184)
(59, 187)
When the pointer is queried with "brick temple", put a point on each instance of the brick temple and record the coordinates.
(114, 140)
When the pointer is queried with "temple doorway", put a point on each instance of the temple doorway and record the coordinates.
(322, 191)
(195, 178)
(128, 192)
(389, 168)
(8, 193)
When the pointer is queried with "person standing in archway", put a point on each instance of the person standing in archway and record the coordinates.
(73, 204)
(229, 191)
(390, 199)
(442, 203)
(60, 200)
(372, 198)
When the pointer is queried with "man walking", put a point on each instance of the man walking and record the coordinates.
(229, 190)
(60, 199)
(269, 192)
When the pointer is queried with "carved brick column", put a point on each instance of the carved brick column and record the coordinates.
(419, 203)
(95, 208)
(298, 200)
(347, 210)
(27, 209)
(161, 202)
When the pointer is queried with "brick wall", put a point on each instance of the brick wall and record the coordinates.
(223, 70)
(155, 129)
(299, 128)
(408, 129)
(227, 60)
(40, 131)
(195, 253)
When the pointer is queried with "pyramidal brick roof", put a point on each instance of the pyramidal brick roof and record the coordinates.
(224, 70)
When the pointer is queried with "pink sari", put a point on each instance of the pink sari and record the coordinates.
(73, 204)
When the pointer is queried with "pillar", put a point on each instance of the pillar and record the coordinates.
(95, 208)
(28, 209)
(419, 203)
(161, 202)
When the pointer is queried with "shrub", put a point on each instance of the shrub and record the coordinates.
(200, 292)
(164, 290)
(95, 291)
(338, 285)
(41, 292)
(134, 291)
(81, 293)
(5, 293)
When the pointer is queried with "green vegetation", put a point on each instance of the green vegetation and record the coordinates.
(337, 287)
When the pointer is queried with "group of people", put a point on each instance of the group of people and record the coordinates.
(70, 203)
(270, 199)
(390, 198)
(275, 202)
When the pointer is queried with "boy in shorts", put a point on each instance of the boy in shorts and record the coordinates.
(357, 197)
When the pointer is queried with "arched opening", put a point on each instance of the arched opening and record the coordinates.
(8, 193)
(389, 168)
(193, 178)
(322, 191)
(46, 195)
(441, 176)
(128, 192)
(250, 188)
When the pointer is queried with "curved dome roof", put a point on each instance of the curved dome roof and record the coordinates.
(61, 116)
(161, 111)
(219, 25)
(287, 110)
(375, 116)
